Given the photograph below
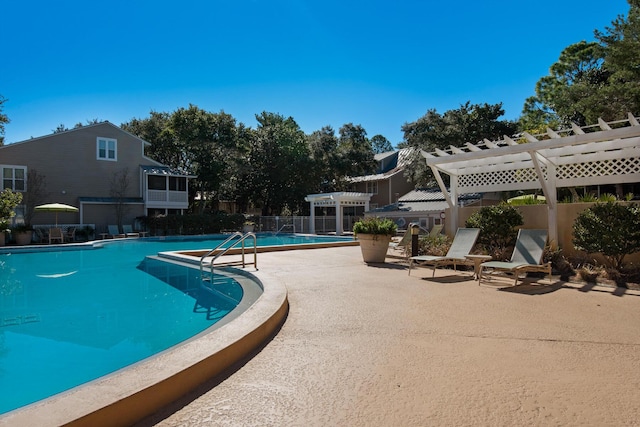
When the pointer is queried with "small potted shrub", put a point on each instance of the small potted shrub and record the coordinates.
(374, 235)
(22, 234)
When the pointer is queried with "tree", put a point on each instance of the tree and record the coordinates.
(4, 119)
(196, 142)
(611, 228)
(8, 202)
(470, 123)
(323, 150)
(60, 128)
(118, 189)
(279, 162)
(35, 195)
(380, 144)
(355, 151)
(591, 80)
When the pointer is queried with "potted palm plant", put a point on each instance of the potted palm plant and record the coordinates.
(374, 235)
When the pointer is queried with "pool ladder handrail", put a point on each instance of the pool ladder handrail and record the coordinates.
(285, 226)
(243, 237)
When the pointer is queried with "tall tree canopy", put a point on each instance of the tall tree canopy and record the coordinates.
(355, 151)
(279, 164)
(195, 142)
(591, 80)
(323, 149)
(470, 123)
(380, 144)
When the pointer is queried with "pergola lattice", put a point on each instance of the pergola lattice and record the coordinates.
(606, 153)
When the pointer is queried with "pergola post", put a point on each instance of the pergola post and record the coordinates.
(338, 218)
(312, 218)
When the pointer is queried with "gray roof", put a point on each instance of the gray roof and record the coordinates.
(425, 200)
(163, 170)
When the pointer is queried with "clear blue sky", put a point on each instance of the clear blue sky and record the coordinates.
(375, 63)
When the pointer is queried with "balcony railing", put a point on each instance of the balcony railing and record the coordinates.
(156, 197)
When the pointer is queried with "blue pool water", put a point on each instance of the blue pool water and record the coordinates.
(70, 316)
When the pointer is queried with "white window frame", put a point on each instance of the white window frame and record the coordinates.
(372, 187)
(13, 177)
(107, 149)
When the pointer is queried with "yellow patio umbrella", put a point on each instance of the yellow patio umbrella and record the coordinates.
(56, 207)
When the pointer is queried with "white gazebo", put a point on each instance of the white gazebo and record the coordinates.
(606, 153)
(336, 200)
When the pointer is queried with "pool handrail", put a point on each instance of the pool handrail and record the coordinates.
(243, 237)
(285, 226)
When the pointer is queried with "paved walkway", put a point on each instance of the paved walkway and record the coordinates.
(372, 346)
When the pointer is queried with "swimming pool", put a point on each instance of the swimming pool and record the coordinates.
(69, 316)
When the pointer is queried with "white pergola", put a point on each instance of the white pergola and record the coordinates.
(606, 153)
(336, 200)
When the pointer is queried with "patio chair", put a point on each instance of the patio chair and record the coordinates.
(128, 231)
(461, 246)
(114, 232)
(55, 235)
(526, 257)
(71, 235)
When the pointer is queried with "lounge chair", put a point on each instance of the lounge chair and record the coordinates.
(128, 231)
(55, 234)
(526, 257)
(403, 242)
(114, 232)
(461, 246)
(437, 229)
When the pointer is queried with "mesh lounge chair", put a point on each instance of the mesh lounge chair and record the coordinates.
(526, 257)
(461, 246)
(402, 243)
(437, 229)
(128, 231)
(114, 232)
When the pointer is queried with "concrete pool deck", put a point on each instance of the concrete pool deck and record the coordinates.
(369, 345)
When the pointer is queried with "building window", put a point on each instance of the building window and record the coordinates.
(372, 187)
(177, 183)
(107, 149)
(157, 182)
(14, 178)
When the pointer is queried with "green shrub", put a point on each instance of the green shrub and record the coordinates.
(437, 245)
(8, 202)
(611, 229)
(375, 225)
(498, 226)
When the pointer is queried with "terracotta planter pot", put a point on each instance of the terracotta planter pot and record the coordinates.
(374, 247)
(24, 237)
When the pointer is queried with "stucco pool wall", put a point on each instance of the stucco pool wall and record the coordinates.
(133, 393)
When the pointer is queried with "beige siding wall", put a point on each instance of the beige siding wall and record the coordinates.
(104, 214)
(69, 163)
